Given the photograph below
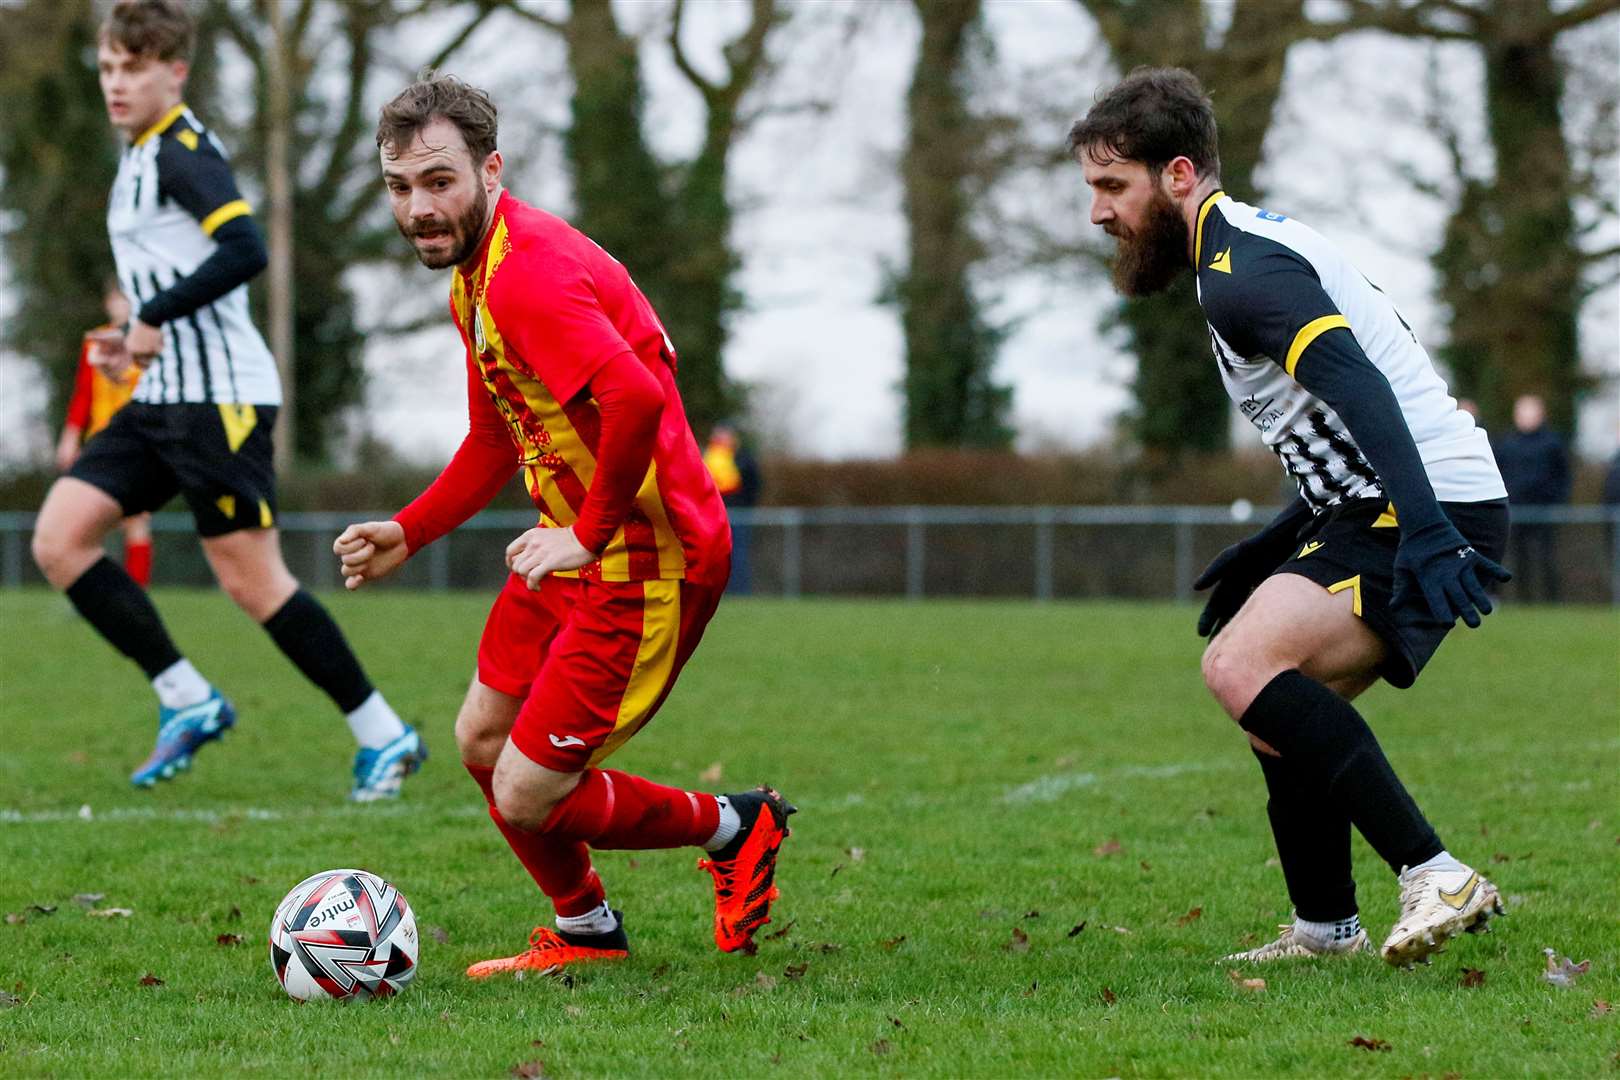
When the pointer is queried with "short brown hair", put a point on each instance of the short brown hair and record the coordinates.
(1154, 115)
(162, 29)
(435, 97)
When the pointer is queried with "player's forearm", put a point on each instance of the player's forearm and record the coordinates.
(474, 476)
(631, 404)
(1336, 371)
(240, 255)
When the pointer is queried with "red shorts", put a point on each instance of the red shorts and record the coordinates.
(592, 660)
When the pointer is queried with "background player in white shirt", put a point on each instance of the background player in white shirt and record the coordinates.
(1364, 574)
(199, 426)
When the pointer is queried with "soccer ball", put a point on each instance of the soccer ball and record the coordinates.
(343, 934)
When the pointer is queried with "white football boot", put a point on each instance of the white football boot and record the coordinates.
(1437, 905)
(1291, 946)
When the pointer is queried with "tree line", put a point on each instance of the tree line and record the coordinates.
(1523, 248)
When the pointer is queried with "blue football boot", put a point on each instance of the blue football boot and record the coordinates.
(181, 732)
(380, 773)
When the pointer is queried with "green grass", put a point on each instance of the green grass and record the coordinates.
(976, 755)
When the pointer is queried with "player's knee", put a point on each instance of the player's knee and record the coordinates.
(56, 554)
(521, 805)
(478, 738)
(1230, 677)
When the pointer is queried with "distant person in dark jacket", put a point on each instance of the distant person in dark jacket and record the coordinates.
(1535, 468)
(736, 474)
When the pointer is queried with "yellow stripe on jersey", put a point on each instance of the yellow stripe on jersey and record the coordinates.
(1387, 520)
(1309, 333)
(671, 555)
(1198, 230)
(229, 212)
(239, 421)
(162, 125)
(655, 661)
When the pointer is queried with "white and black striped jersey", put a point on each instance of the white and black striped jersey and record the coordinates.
(1272, 289)
(173, 192)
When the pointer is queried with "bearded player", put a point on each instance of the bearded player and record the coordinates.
(1400, 514)
(571, 378)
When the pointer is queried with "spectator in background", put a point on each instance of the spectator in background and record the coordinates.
(95, 398)
(736, 474)
(1535, 468)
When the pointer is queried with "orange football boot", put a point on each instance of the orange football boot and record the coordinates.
(744, 871)
(550, 951)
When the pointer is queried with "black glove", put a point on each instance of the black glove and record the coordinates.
(1239, 570)
(1438, 563)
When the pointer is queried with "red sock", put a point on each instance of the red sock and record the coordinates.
(614, 811)
(562, 868)
(138, 562)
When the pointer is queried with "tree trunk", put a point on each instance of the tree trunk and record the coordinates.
(951, 397)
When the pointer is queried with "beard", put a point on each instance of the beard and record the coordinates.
(1149, 259)
(466, 232)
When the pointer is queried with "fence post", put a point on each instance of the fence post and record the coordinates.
(792, 553)
(1043, 552)
(916, 553)
(1184, 557)
(439, 564)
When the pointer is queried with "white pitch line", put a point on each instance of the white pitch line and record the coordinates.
(1052, 788)
(91, 816)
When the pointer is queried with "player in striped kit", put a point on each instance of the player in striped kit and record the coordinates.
(199, 425)
(1400, 514)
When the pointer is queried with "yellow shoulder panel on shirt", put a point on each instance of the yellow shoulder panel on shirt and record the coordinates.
(187, 139)
(1309, 333)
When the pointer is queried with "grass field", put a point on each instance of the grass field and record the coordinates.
(977, 781)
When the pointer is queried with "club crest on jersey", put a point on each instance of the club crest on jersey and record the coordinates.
(478, 330)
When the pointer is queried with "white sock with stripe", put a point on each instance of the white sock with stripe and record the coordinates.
(726, 831)
(599, 920)
(1326, 935)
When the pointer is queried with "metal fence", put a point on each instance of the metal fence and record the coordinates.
(1039, 552)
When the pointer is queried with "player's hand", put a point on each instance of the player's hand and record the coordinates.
(108, 353)
(67, 448)
(1440, 565)
(1239, 570)
(539, 552)
(369, 551)
(143, 342)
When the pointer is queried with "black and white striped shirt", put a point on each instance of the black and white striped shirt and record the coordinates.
(173, 193)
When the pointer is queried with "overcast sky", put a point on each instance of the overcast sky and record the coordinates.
(820, 217)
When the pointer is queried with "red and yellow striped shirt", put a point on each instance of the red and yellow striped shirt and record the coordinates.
(544, 311)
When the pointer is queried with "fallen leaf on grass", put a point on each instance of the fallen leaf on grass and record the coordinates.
(835, 870)
(1501, 857)
(895, 1020)
(1369, 1044)
(110, 913)
(79, 757)
(150, 979)
(796, 971)
(1145, 867)
(1561, 972)
(1032, 914)
(43, 909)
(712, 774)
(1019, 942)
(1108, 847)
(1108, 996)
(439, 934)
(1192, 916)
(1075, 930)
(8, 1001)
(234, 915)
(889, 945)
(1600, 1008)
(1242, 982)
(856, 854)
(1473, 978)
(574, 1011)
(15, 918)
(764, 981)
(782, 933)
(228, 939)
(1034, 986)
(1119, 929)
(661, 970)
(528, 1070)
(88, 899)
(880, 1047)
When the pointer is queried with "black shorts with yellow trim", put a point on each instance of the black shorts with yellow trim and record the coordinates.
(1351, 548)
(219, 457)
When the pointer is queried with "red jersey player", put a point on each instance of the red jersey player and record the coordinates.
(571, 378)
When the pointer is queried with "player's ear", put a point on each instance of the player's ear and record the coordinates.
(181, 71)
(1179, 177)
(491, 172)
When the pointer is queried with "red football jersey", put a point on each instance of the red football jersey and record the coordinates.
(543, 312)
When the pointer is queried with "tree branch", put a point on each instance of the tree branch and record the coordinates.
(1583, 12)
(535, 17)
(1393, 17)
(708, 89)
(484, 10)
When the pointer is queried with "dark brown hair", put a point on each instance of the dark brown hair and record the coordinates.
(1154, 115)
(161, 29)
(435, 97)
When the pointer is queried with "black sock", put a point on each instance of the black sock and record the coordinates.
(1330, 747)
(304, 630)
(1313, 844)
(121, 612)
